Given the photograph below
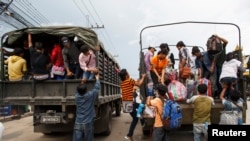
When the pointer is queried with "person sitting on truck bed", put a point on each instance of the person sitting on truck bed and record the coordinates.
(57, 71)
(85, 111)
(127, 87)
(40, 62)
(87, 60)
(26, 56)
(16, 65)
(71, 54)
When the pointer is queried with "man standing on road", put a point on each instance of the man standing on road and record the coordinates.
(85, 111)
(202, 112)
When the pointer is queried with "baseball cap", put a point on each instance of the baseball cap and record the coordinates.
(65, 40)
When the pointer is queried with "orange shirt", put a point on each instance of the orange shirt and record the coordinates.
(127, 89)
(158, 104)
(159, 64)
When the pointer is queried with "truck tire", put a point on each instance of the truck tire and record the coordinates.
(108, 125)
(118, 108)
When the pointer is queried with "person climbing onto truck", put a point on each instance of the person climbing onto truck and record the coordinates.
(127, 86)
(219, 59)
(85, 111)
(229, 72)
(234, 103)
(206, 67)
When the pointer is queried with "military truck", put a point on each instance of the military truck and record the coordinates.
(53, 101)
(188, 108)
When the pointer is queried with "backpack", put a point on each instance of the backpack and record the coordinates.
(214, 45)
(172, 115)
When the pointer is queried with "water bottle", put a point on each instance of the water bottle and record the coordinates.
(139, 110)
(206, 125)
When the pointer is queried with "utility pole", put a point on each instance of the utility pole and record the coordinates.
(5, 7)
(97, 26)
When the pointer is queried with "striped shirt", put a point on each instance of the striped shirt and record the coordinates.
(127, 89)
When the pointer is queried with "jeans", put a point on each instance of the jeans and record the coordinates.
(154, 79)
(198, 130)
(160, 134)
(88, 75)
(75, 68)
(134, 122)
(83, 132)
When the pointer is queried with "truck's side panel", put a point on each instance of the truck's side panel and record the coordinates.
(53, 101)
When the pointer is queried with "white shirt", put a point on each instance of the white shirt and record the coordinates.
(230, 68)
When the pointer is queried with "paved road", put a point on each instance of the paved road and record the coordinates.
(22, 130)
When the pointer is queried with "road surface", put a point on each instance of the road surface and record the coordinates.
(22, 130)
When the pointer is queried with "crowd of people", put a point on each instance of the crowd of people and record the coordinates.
(70, 62)
(209, 65)
(64, 60)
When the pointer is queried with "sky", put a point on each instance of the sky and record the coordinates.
(123, 21)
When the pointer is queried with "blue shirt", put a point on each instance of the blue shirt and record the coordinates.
(85, 111)
(205, 64)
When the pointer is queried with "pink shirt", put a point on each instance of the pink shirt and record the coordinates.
(87, 61)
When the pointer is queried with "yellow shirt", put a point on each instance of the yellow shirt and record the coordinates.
(16, 67)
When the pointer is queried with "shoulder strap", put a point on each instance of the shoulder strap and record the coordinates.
(89, 60)
(237, 105)
(188, 59)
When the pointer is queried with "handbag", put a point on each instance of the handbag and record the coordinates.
(186, 72)
(228, 118)
(127, 106)
(57, 70)
(149, 112)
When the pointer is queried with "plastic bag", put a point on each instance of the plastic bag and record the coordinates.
(1, 130)
(228, 118)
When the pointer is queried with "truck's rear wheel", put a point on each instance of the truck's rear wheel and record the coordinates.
(108, 125)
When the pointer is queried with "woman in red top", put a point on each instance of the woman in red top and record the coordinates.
(57, 61)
